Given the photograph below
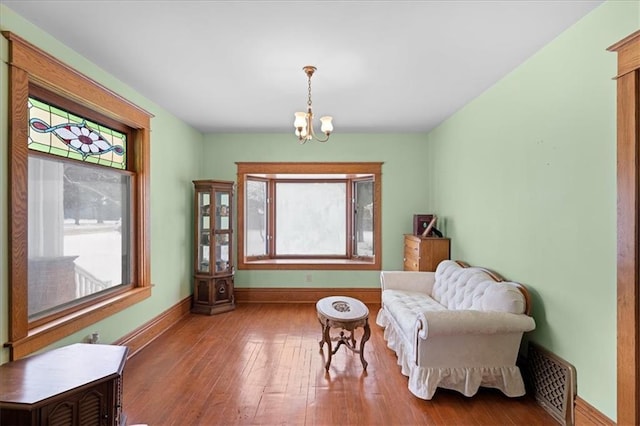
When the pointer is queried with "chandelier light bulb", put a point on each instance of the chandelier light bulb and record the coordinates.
(301, 120)
(326, 126)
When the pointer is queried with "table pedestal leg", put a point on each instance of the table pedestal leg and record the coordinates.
(326, 337)
(349, 341)
(365, 337)
(321, 342)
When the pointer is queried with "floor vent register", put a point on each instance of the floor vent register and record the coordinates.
(553, 382)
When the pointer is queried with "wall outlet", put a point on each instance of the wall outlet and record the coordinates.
(309, 278)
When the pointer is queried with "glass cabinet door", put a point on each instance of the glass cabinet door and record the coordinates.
(204, 232)
(223, 231)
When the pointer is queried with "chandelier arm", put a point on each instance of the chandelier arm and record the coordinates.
(322, 140)
(311, 133)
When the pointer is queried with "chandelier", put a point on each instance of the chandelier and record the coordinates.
(304, 120)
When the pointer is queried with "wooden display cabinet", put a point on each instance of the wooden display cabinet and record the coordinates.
(425, 253)
(213, 269)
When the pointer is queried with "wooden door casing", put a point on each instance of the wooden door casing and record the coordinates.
(628, 257)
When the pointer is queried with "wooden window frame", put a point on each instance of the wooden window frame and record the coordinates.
(309, 262)
(31, 67)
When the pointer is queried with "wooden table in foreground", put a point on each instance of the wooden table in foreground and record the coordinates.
(80, 384)
(348, 314)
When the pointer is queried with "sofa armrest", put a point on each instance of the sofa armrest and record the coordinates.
(407, 280)
(453, 322)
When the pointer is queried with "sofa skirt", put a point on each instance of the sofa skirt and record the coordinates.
(423, 381)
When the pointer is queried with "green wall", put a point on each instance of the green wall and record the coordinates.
(404, 190)
(526, 177)
(175, 159)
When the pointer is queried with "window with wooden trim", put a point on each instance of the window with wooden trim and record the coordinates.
(309, 215)
(79, 207)
(79, 190)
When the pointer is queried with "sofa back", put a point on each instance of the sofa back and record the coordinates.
(460, 287)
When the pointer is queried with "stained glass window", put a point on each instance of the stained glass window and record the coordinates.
(56, 131)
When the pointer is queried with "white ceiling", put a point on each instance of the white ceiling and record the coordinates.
(236, 66)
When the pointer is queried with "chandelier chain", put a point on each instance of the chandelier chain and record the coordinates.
(309, 100)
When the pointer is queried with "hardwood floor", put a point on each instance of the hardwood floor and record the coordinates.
(261, 365)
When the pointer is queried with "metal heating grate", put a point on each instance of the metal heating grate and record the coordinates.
(553, 380)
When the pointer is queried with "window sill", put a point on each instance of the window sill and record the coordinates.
(46, 334)
(314, 264)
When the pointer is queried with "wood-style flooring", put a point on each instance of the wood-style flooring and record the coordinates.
(261, 365)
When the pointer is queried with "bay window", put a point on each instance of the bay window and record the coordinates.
(309, 215)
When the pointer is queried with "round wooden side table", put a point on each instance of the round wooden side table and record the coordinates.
(347, 314)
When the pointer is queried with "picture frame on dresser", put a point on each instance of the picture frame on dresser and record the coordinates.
(421, 223)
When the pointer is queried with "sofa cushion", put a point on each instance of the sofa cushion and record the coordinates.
(404, 307)
(473, 288)
(504, 297)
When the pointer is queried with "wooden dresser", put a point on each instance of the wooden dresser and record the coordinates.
(424, 253)
(80, 384)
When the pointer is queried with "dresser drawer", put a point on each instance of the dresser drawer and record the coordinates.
(411, 244)
(411, 252)
(411, 255)
(411, 264)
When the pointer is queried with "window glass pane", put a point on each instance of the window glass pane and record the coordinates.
(79, 226)
(310, 218)
(223, 254)
(256, 218)
(364, 218)
(58, 132)
(222, 210)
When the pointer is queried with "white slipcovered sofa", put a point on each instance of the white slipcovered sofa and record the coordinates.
(458, 328)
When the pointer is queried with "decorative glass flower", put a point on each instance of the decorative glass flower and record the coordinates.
(78, 137)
